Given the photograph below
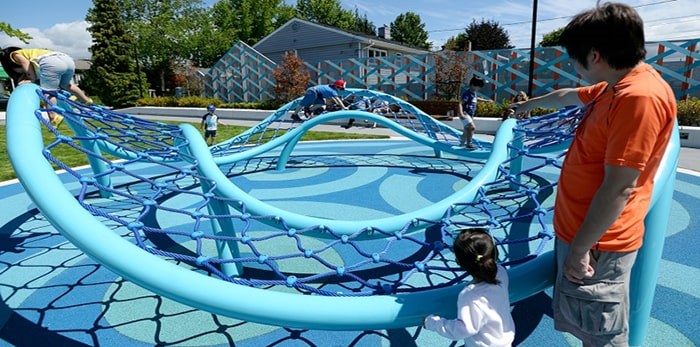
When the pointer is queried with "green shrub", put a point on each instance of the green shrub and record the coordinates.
(200, 102)
(689, 112)
(159, 101)
(540, 111)
(96, 100)
(489, 109)
(197, 101)
(252, 105)
(496, 110)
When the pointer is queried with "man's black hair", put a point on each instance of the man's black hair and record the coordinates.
(615, 30)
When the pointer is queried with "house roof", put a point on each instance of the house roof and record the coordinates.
(368, 39)
(82, 64)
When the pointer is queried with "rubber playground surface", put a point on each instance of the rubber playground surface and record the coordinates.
(54, 295)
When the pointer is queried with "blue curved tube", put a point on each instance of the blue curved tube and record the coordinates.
(297, 132)
(224, 187)
(646, 267)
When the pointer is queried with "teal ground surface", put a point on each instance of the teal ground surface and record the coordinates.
(53, 295)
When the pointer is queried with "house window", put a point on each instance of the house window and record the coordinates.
(373, 52)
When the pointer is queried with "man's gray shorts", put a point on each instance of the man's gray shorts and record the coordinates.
(596, 312)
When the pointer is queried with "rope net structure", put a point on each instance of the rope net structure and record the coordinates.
(147, 187)
(399, 111)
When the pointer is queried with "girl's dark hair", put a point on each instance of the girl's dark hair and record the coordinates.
(12, 69)
(476, 253)
(615, 30)
(476, 81)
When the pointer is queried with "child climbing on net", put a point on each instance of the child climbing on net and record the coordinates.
(483, 307)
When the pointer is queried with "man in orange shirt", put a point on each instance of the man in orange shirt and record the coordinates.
(607, 176)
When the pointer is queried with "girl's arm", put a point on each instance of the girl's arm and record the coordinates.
(26, 66)
(467, 323)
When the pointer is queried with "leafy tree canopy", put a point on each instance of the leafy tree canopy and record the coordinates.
(456, 43)
(363, 25)
(328, 12)
(486, 35)
(12, 32)
(113, 75)
(551, 39)
(251, 20)
(408, 29)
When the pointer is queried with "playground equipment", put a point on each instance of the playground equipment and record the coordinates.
(377, 274)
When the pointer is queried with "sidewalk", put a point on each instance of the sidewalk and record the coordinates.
(689, 157)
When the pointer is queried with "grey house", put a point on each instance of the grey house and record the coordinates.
(314, 42)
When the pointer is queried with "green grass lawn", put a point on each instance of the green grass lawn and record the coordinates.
(73, 158)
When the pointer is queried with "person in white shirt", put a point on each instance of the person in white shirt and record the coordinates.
(483, 316)
(209, 124)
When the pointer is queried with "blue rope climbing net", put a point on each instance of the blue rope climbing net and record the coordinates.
(149, 177)
(399, 111)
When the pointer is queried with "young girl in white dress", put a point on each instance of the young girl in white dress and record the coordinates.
(483, 308)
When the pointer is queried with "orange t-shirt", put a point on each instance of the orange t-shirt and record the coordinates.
(627, 125)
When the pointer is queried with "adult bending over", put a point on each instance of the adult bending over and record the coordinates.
(52, 69)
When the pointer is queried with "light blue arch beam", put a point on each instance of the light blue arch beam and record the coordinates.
(208, 167)
(436, 145)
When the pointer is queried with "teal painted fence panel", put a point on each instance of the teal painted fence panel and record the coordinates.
(243, 74)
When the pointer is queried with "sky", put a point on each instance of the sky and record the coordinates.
(61, 26)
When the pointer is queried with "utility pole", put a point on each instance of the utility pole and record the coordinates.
(532, 49)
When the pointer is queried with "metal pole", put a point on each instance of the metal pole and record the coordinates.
(138, 68)
(532, 48)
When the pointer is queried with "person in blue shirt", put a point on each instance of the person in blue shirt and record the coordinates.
(319, 96)
(467, 111)
(209, 124)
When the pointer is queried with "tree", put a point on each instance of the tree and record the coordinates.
(487, 35)
(408, 29)
(363, 25)
(328, 12)
(251, 20)
(187, 76)
(551, 39)
(12, 32)
(206, 42)
(457, 43)
(292, 78)
(162, 30)
(451, 70)
(112, 76)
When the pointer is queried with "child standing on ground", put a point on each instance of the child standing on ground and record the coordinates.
(467, 111)
(210, 121)
(483, 317)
